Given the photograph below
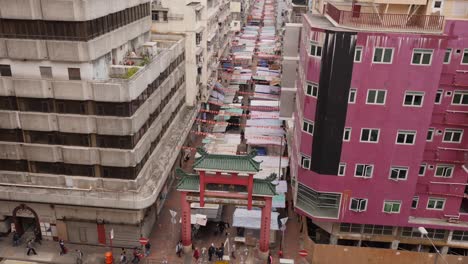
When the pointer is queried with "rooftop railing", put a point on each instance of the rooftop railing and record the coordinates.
(377, 21)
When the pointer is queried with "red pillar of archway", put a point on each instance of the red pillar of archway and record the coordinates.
(265, 226)
(186, 224)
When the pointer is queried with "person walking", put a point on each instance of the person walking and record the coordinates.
(30, 248)
(136, 255)
(270, 259)
(123, 258)
(37, 236)
(211, 251)
(196, 254)
(220, 252)
(147, 249)
(79, 256)
(63, 249)
(16, 239)
(179, 248)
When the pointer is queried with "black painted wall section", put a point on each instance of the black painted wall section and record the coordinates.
(332, 102)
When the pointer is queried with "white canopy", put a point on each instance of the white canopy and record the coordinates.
(252, 219)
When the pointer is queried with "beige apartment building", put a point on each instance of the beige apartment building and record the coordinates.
(93, 115)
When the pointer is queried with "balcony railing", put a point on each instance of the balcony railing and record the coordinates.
(403, 22)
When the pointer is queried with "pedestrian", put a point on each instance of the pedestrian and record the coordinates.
(270, 259)
(37, 236)
(30, 248)
(211, 251)
(147, 249)
(136, 255)
(221, 227)
(79, 256)
(221, 252)
(16, 238)
(179, 249)
(123, 258)
(196, 254)
(63, 249)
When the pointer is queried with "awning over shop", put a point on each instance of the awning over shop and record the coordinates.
(252, 219)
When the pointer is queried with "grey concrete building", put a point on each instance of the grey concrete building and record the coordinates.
(92, 118)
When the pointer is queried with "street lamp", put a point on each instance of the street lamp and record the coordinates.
(424, 232)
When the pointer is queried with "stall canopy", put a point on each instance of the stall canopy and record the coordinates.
(252, 219)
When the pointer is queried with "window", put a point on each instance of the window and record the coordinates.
(376, 97)
(364, 170)
(378, 230)
(413, 99)
(460, 98)
(465, 57)
(347, 134)
(406, 137)
(5, 70)
(422, 57)
(435, 203)
(358, 54)
(383, 55)
(312, 89)
(448, 55)
(452, 135)
(438, 98)
(444, 171)
(430, 134)
(460, 235)
(155, 15)
(74, 74)
(422, 169)
(305, 162)
(437, 4)
(431, 233)
(352, 96)
(341, 169)
(350, 228)
(308, 127)
(414, 203)
(358, 205)
(369, 135)
(398, 173)
(46, 72)
(315, 49)
(164, 15)
(392, 207)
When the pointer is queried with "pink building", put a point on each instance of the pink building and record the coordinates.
(379, 146)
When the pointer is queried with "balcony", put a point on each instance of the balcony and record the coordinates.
(344, 15)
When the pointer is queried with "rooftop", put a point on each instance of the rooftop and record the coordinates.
(364, 17)
(228, 163)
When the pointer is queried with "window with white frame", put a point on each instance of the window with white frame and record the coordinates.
(312, 89)
(358, 54)
(422, 169)
(358, 205)
(435, 203)
(376, 97)
(452, 135)
(460, 235)
(398, 173)
(364, 170)
(308, 127)
(315, 49)
(438, 98)
(444, 170)
(406, 137)
(437, 234)
(347, 134)
(460, 98)
(392, 207)
(383, 55)
(341, 169)
(377, 230)
(414, 203)
(437, 5)
(413, 99)
(447, 56)
(430, 134)
(305, 162)
(422, 57)
(465, 57)
(370, 135)
(352, 96)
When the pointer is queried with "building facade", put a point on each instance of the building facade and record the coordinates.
(381, 107)
(92, 117)
(206, 27)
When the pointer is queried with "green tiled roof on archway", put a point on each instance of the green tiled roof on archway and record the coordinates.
(230, 163)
